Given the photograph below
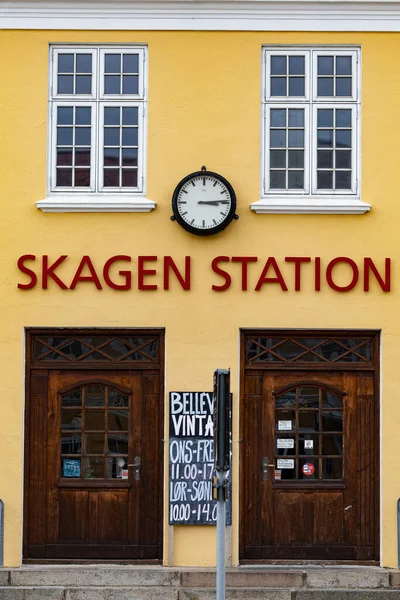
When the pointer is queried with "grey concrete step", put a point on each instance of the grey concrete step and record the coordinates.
(95, 576)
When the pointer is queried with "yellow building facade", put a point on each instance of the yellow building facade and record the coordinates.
(298, 112)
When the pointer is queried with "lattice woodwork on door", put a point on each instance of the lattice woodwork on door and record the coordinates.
(95, 348)
(298, 350)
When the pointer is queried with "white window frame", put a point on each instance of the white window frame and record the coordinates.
(97, 198)
(310, 200)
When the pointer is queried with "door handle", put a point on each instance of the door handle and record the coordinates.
(264, 465)
(137, 463)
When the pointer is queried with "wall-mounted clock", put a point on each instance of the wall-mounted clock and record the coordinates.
(204, 203)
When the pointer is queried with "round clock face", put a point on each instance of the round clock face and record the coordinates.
(204, 203)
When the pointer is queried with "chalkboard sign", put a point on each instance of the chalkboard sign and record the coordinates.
(191, 460)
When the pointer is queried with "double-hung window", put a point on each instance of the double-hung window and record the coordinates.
(311, 127)
(97, 131)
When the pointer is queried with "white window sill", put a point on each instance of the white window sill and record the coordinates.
(322, 205)
(96, 203)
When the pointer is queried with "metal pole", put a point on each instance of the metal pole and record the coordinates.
(221, 516)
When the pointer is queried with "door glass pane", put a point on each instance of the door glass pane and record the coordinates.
(287, 400)
(73, 398)
(94, 443)
(71, 443)
(118, 420)
(285, 445)
(309, 421)
(118, 443)
(330, 400)
(95, 395)
(71, 419)
(117, 467)
(115, 398)
(332, 445)
(309, 397)
(308, 444)
(308, 468)
(94, 467)
(95, 420)
(332, 421)
(285, 420)
(332, 468)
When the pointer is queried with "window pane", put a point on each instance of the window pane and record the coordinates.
(343, 159)
(343, 180)
(112, 84)
(83, 63)
(308, 421)
(287, 473)
(332, 420)
(115, 466)
(130, 136)
(71, 443)
(118, 443)
(308, 444)
(343, 86)
(308, 468)
(115, 398)
(129, 115)
(83, 84)
(117, 420)
(113, 63)
(95, 420)
(325, 86)
(296, 117)
(95, 395)
(332, 445)
(278, 117)
(343, 117)
(325, 159)
(65, 63)
(82, 156)
(278, 138)
(129, 178)
(330, 400)
(65, 115)
(277, 158)
(82, 115)
(278, 65)
(296, 86)
(112, 115)
(64, 178)
(325, 117)
(82, 177)
(111, 136)
(71, 419)
(343, 65)
(64, 156)
(130, 84)
(111, 157)
(64, 136)
(296, 65)
(94, 467)
(278, 180)
(71, 467)
(296, 159)
(287, 400)
(325, 180)
(278, 86)
(285, 420)
(296, 138)
(82, 136)
(129, 157)
(94, 443)
(131, 63)
(65, 84)
(111, 177)
(332, 468)
(309, 397)
(325, 65)
(343, 138)
(325, 138)
(285, 445)
(295, 180)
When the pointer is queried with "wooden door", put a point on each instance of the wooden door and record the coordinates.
(95, 465)
(308, 464)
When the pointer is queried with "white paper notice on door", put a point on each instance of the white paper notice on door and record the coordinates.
(284, 443)
(284, 425)
(285, 463)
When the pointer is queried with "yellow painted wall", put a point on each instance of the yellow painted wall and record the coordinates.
(204, 108)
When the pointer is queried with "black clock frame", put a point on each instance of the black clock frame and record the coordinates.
(230, 216)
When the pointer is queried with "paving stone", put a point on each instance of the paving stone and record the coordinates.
(235, 594)
(325, 578)
(338, 594)
(31, 593)
(95, 577)
(244, 579)
(121, 593)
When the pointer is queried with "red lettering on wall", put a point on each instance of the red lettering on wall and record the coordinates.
(245, 260)
(317, 274)
(142, 273)
(48, 271)
(330, 267)
(271, 262)
(78, 277)
(370, 266)
(297, 260)
(31, 284)
(127, 275)
(183, 280)
(222, 273)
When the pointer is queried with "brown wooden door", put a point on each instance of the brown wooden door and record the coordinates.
(86, 499)
(316, 431)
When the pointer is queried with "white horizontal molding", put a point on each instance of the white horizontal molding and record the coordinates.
(308, 206)
(68, 204)
(206, 15)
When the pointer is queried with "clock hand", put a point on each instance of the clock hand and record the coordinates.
(213, 202)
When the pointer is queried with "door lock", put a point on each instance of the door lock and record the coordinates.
(265, 464)
(137, 463)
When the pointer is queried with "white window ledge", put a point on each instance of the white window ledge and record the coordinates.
(64, 204)
(323, 205)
